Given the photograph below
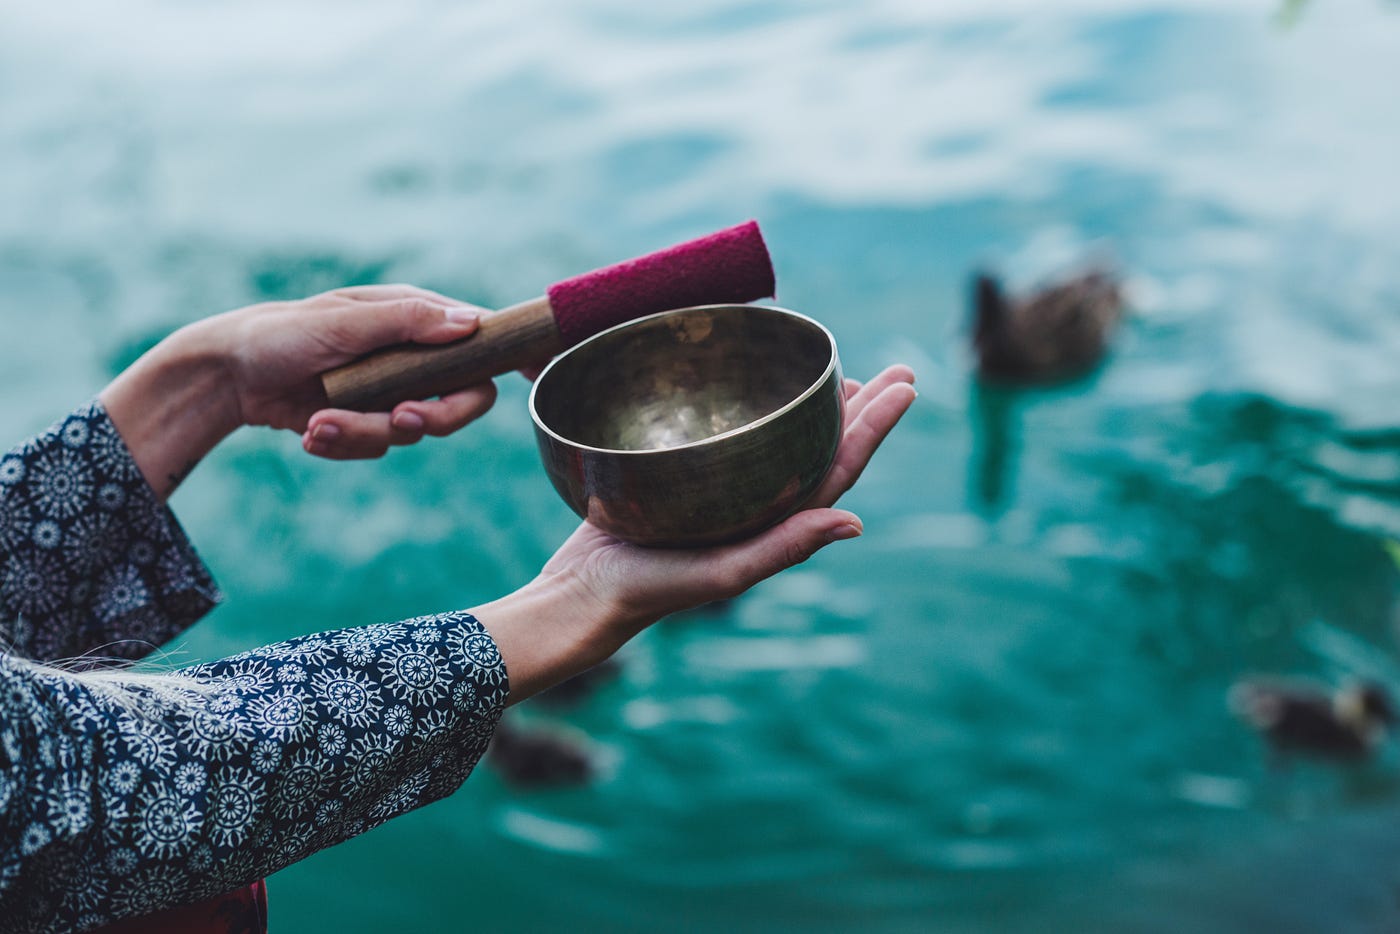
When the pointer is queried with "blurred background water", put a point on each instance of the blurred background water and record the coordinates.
(1004, 707)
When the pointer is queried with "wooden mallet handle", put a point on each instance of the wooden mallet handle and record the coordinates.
(511, 338)
(727, 267)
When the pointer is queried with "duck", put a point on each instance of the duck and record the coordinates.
(536, 757)
(1056, 334)
(1345, 725)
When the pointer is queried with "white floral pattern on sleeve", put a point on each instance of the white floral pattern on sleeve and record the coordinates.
(90, 559)
(115, 809)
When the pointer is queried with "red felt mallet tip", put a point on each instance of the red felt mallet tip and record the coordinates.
(729, 266)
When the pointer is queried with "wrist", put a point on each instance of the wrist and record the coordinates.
(203, 354)
(548, 631)
(173, 405)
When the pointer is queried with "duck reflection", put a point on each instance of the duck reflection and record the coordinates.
(996, 434)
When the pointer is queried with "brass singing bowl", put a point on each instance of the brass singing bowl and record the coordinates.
(692, 427)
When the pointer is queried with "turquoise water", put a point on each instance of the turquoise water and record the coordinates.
(1003, 708)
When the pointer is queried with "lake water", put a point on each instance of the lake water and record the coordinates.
(1004, 707)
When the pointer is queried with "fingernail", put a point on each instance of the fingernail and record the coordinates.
(462, 316)
(844, 531)
(407, 421)
(325, 432)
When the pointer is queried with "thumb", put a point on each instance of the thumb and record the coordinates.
(419, 320)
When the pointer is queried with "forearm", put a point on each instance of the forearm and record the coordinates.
(174, 404)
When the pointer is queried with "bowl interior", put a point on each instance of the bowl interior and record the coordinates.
(681, 377)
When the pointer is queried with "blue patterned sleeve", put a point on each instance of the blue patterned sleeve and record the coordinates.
(115, 803)
(90, 559)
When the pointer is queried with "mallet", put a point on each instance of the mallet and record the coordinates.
(730, 266)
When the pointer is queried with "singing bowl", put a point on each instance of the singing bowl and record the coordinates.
(692, 427)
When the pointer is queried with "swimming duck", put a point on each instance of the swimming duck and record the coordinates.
(1346, 725)
(1053, 335)
(536, 758)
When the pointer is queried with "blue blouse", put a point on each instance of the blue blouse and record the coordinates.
(118, 802)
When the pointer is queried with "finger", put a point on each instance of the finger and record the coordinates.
(370, 325)
(443, 416)
(786, 545)
(863, 435)
(392, 292)
(338, 434)
(890, 376)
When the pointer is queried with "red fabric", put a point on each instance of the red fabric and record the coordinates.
(727, 267)
(240, 912)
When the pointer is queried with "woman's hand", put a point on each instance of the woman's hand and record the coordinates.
(597, 592)
(279, 350)
(261, 365)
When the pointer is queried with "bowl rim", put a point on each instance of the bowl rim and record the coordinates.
(833, 361)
